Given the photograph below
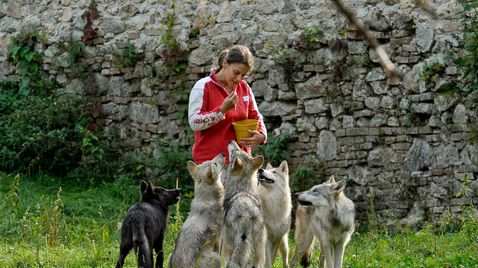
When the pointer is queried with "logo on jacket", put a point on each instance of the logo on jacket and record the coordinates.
(245, 98)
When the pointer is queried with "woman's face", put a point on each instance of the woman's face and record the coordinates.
(234, 73)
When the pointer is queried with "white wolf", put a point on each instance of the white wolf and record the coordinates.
(244, 235)
(200, 233)
(333, 219)
(274, 192)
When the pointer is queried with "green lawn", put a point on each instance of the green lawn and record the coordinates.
(78, 226)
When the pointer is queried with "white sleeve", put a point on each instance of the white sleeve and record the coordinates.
(197, 120)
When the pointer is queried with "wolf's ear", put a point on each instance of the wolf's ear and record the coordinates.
(257, 162)
(331, 179)
(192, 167)
(339, 187)
(284, 168)
(269, 166)
(236, 165)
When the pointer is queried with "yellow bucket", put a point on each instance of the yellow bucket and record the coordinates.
(241, 128)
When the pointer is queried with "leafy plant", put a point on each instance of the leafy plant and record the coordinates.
(168, 38)
(307, 174)
(466, 191)
(431, 72)
(173, 157)
(309, 38)
(275, 150)
(53, 218)
(130, 56)
(39, 132)
(76, 50)
(194, 32)
(180, 93)
(374, 221)
(174, 57)
(450, 89)
(474, 134)
(28, 61)
(363, 61)
(173, 169)
(469, 61)
(90, 33)
(287, 58)
(413, 119)
(12, 198)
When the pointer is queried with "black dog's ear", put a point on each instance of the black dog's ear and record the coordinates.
(144, 186)
(151, 188)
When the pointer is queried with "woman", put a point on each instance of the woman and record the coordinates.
(220, 99)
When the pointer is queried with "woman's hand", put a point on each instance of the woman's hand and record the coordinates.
(256, 139)
(229, 102)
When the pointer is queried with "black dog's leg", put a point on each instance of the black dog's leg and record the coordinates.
(145, 256)
(158, 247)
(124, 250)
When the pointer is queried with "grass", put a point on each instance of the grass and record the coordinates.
(50, 222)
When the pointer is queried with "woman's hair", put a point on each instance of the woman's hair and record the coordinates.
(236, 54)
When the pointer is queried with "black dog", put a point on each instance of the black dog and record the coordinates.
(145, 223)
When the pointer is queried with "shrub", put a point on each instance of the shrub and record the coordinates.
(40, 132)
(275, 150)
(307, 174)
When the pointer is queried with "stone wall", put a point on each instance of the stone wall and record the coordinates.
(404, 147)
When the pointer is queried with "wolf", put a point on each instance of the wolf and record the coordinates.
(144, 225)
(332, 220)
(201, 231)
(240, 178)
(274, 192)
(243, 236)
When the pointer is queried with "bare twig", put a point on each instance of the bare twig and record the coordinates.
(389, 68)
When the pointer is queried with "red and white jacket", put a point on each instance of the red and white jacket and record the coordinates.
(213, 130)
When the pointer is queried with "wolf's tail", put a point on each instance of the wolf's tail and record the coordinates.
(242, 249)
(143, 252)
(306, 259)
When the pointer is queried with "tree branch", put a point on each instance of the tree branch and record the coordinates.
(388, 66)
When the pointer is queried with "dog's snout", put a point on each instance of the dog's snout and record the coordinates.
(296, 195)
(261, 170)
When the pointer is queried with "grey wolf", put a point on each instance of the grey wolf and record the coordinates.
(333, 219)
(201, 231)
(241, 177)
(144, 225)
(243, 236)
(274, 192)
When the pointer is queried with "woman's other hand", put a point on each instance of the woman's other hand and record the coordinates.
(256, 139)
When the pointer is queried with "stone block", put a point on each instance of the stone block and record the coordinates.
(401, 146)
(356, 131)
